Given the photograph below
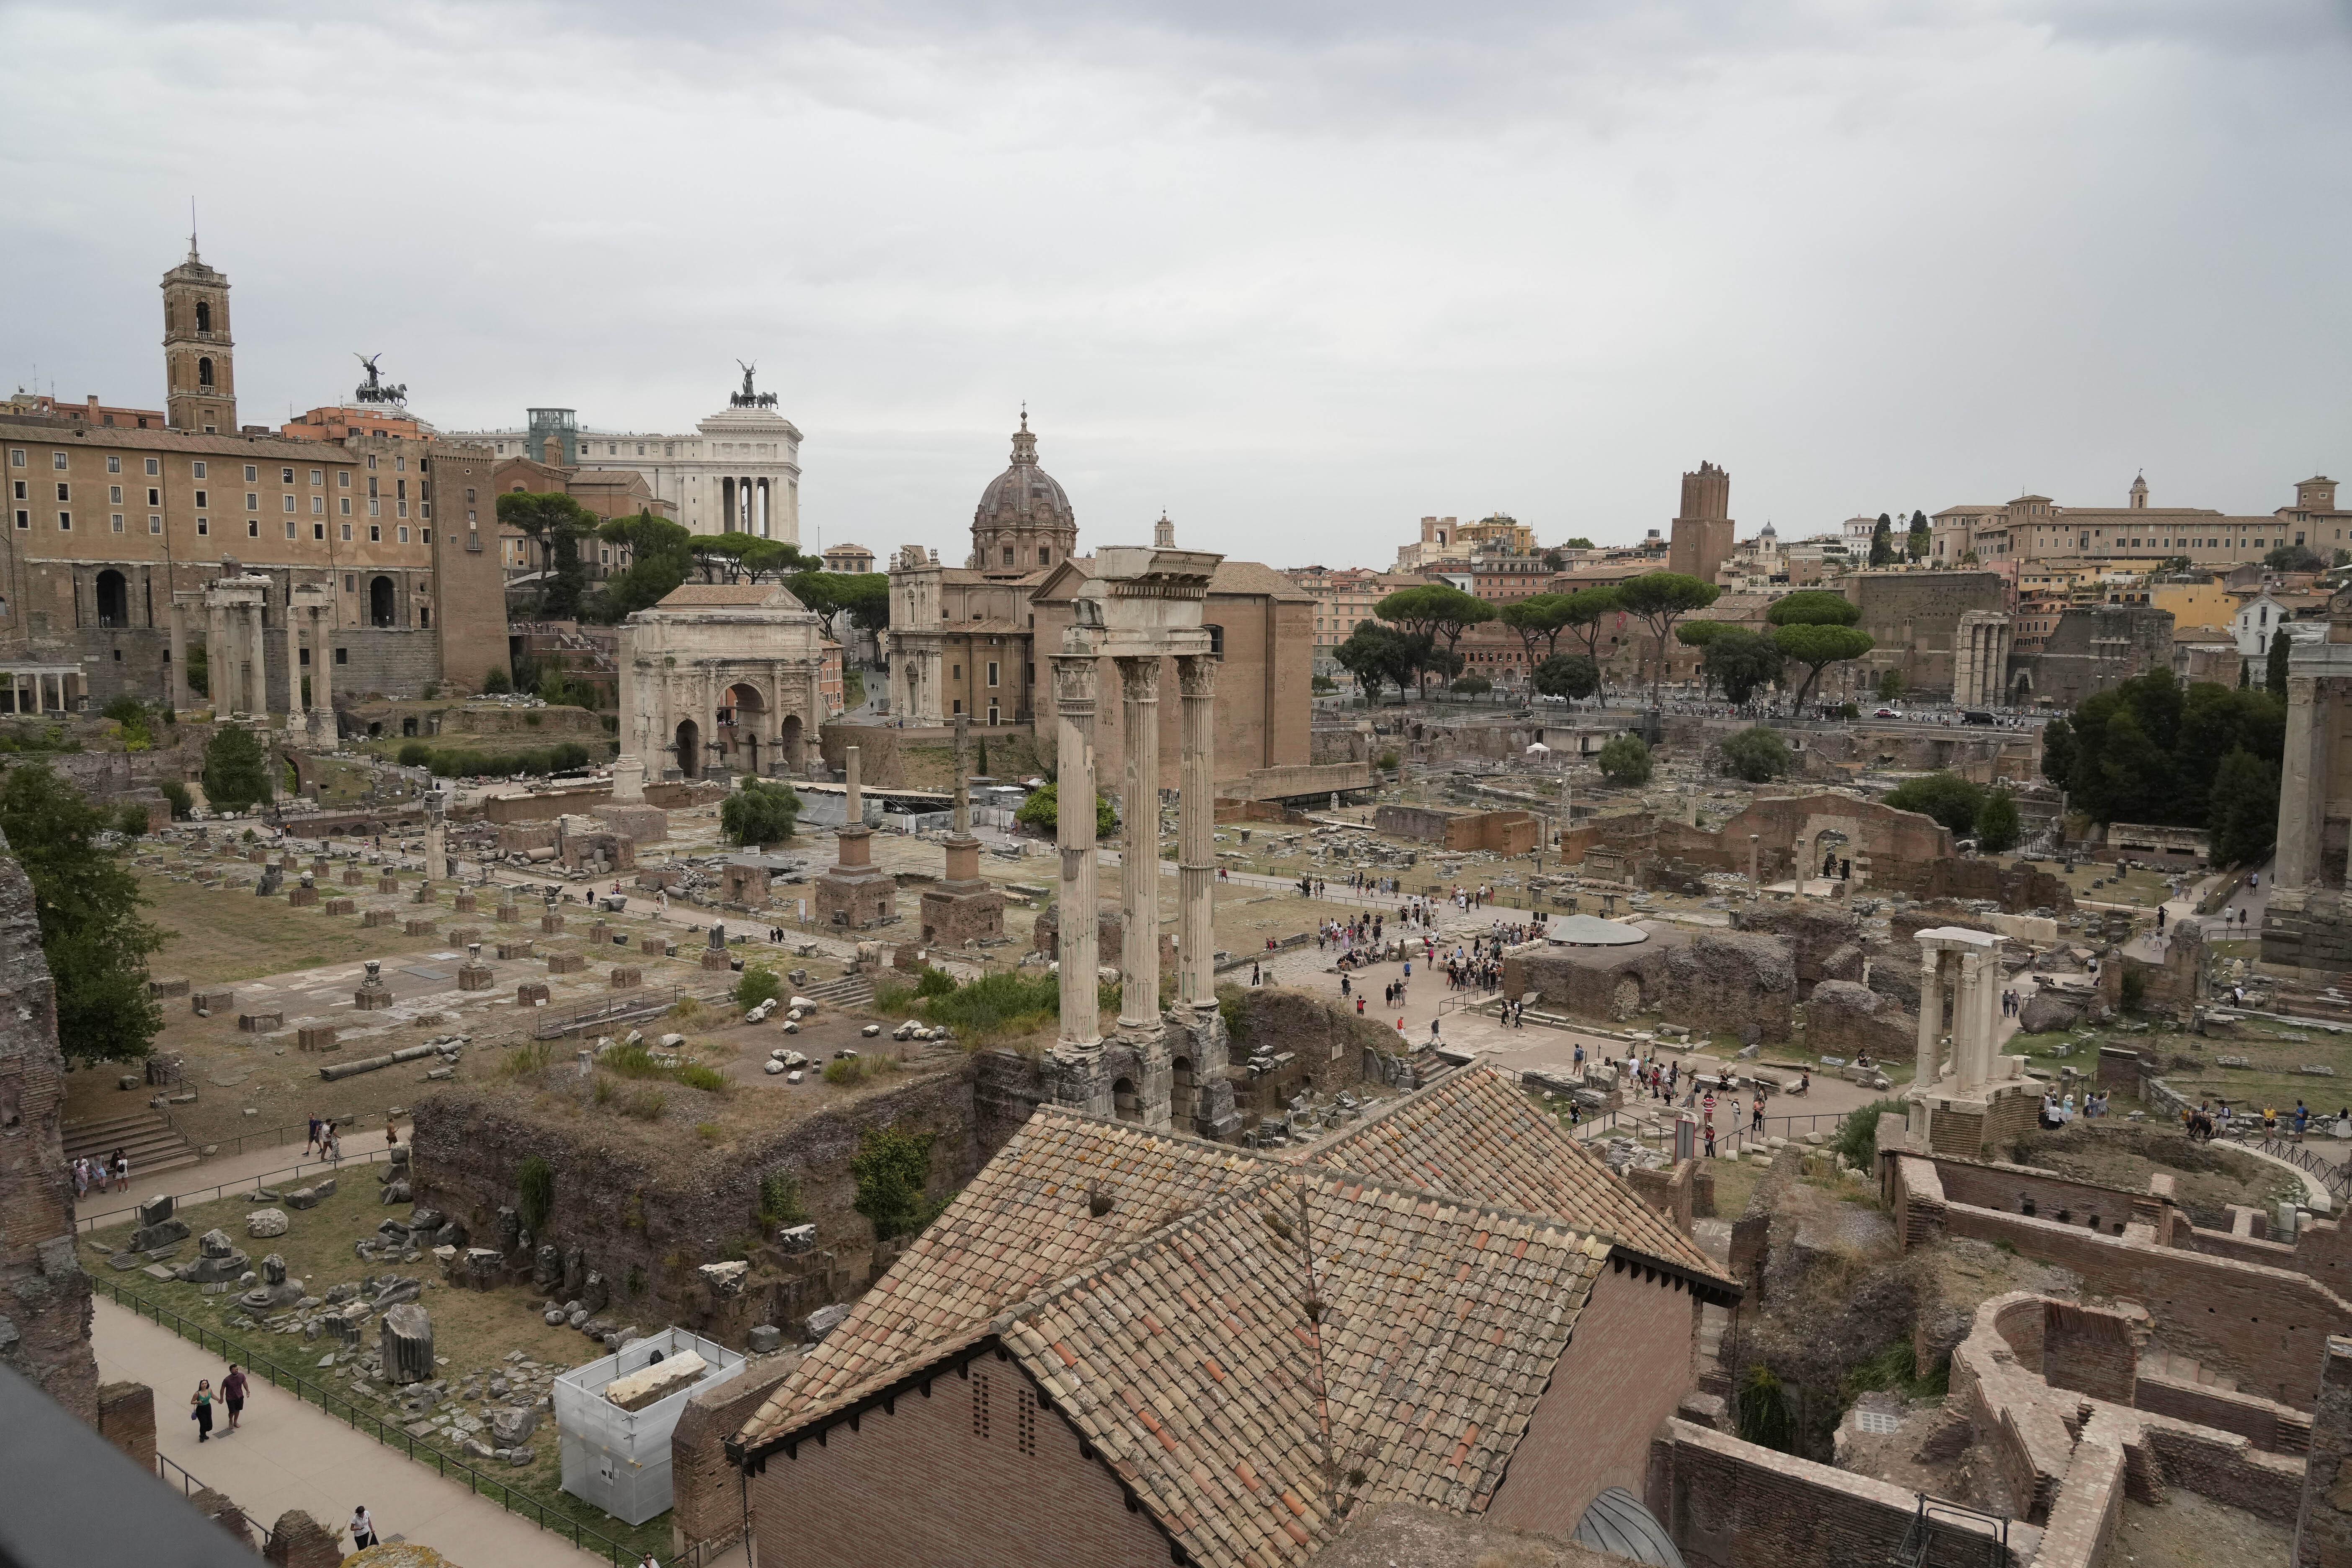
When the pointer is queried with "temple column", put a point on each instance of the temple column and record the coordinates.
(323, 674)
(1931, 1018)
(2302, 795)
(1138, 861)
(218, 661)
(1196, 825)
(1074, 688)
(1968, 1042)
(179, 690)
(294, 705)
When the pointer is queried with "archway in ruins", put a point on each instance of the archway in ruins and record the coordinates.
(690, 749)
(789, 740)
(1830, 857)
(1183, 1103)
(1124, 1101)
(742, 718)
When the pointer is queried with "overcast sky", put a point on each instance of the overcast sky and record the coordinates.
(1297, 273)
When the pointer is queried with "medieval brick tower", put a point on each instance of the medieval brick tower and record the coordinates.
(1701, 540)
(199, 359)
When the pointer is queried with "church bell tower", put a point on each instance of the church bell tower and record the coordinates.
(199, 359)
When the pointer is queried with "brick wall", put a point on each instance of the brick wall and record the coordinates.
(126, 1418)
(2265, 1327)
(706, 1491)
(1626, 1367)
(2267, 1424)
(44, 1294)
(958, 1470)
(2323, 1525)
(1729, 1504)
(391, 660)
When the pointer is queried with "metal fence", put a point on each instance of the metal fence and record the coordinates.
(630, 1005)
(168, 1468)
(242, 1185)
(389, 1435)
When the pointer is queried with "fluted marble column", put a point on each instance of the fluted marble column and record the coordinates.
(1138, 864)
(1196, 831)
(1931, 1018)
(322, 676)
(1074, 701)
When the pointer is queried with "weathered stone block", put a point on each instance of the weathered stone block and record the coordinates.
(464, 903)
(176, 985)
(474, 977)
(259, 1023)
(316, 1037)
(551, 925)
(303, 898)
(211, 1001)
(565, 962)
(531, 994)
(627, 977)
(419, 927)
(404, 1339)
(514, 948)
(652, 944)
(341, 906)
(509, 913)
(263, 1223)
(387, 883)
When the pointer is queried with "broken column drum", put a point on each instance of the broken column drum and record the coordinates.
(405, 1342)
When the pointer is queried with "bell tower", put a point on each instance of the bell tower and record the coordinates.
(199, 357)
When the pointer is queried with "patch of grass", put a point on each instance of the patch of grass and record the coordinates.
(528, 1059)
(780, 1199)
(535, 1190)
(710, 1080)
(1896, 1368)
(645, 1104)
(632, 1062)
(707, 1131)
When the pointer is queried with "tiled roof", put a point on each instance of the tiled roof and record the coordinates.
(1476, 1136)
(713, 595)
(1255, 1345)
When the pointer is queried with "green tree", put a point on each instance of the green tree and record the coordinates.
(1757, 754)
(1578, 543)
(1882, 541)
(1946, 796)
(1817, 647)
(2146, 749)
(1568, 675)
(757, 983)
(2294, 558)
(1044, 809)
(1582, 617)
(237, 770)
(131, 821)
(1997, 825)
(1890, 686)
(1659, 599)
(658, 561)
(891, 1169)
(2057, 751)
(764, 811)
(2244, 809)
(1736, 660)
(184, 805)
(1538, 620)
(1376, 656)
(2274, 671)
(1472, 686)
(1916, 545)
(1626, 761)
(88, 902)
(1812, 607)
(1437, 611)
(553, 525)
(496, 682)
(200, 671)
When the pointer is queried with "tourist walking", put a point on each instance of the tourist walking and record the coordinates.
(200, 1409)
(391, 1134)
(316, 1125)
(362, 1529)
(233, 1395)
(121, 1163)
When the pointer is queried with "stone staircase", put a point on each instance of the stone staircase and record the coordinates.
(146, 1136)
(850, 991)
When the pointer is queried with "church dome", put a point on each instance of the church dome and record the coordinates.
(1024, 495)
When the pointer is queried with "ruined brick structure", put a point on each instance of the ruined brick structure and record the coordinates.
(44, 1297)
(1731, 981)
(1498, 832)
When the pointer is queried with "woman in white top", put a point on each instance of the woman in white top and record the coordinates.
(362, 1529)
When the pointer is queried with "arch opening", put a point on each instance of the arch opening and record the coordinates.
(113, 599)
(380, 602)
(1124, 1102)
(689, 747)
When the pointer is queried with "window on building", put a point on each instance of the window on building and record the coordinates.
(351, 583)
(424, 536)
(343, 478)
(17, 459)
(118, 522)
(319, 531)
(155, 496)
(404, 535)
(65, 522)
(375, 507)
(252, 502)
(65, 492)
(114, 494)
(991, 672)
(196, 470)
(204, 527)
(318, 476)
(1216, 641)
(376, 533)
(347, 533)
(251, 473)
(370, 457)
(113, 464)
(154, 466)
(253, 528)
(24, 517)
(1008, 555)
(154, 523)
(342, 655)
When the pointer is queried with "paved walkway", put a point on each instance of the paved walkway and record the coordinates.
(288, 1455)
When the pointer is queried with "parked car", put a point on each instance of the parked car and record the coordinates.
(1975, 716)
(1886, 713)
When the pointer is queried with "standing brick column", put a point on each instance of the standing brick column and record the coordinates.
(1074, 701)
(2323, 1528)
(1196, 824)
(179, 655)
(2303, 792)
(1138, 861)
(322, 676)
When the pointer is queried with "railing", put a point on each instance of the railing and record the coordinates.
(166, 1467)
(242, 1183)
(629, 1005)
(1937, 1518)
(389, 1435)
(2336, 1179)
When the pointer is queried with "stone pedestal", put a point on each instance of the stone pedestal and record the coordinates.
(387, 883)
(419, 927)
(854, 894)
(514, 948)
(342, 906)
(474, 977)
(509, 913)
(259, 1023)
(652, 944)
(551, 925)
(423, 894)
(374, 917)
(714, 959)
(565, 964)
(627, 977)
(353, 877)
(600, 933)
(211, 1001)
(464, 904)
(316, 1037)
(373, 994)
(465, 936)
(305, 897)
(530, 993)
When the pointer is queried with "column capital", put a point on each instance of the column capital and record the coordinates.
(1196, 674)
(1073, 682)
(1139, 677)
